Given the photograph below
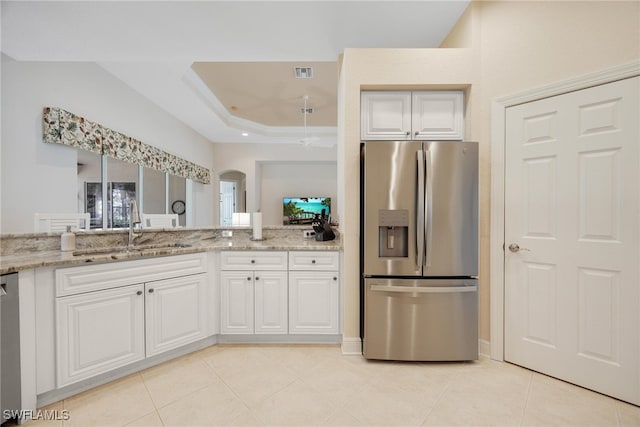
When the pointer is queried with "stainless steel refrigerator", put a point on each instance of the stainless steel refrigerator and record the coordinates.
(419, 250)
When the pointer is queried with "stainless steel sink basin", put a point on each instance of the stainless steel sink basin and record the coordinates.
(116, 250)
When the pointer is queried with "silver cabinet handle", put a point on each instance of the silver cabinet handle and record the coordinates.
(424, 289)
(151, 290)
(139, 293)
(514, 247)
(408, 133)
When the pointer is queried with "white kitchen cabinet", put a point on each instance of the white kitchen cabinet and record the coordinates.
(236, 302)
(106, 319)
(253, 301)
(418, 115)
(270, 302)
(176, 312)
(313, 302)
(99, 331)
(314, 292)
(386, 115)
(253, 260)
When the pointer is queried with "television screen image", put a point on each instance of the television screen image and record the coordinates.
(302, 210)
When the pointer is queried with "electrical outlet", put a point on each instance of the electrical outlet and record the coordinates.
(307, 234)
(227, 233)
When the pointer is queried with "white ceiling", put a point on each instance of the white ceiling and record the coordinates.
(150, 45)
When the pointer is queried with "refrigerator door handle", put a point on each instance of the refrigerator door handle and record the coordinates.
(428, 207)
(420, 210)
(424, 289)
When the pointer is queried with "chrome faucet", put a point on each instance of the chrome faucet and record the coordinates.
(135, 225)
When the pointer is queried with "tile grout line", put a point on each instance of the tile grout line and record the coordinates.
(233, 392)
(150, 397)
(526, 401)
(441, 397)
(617, 406)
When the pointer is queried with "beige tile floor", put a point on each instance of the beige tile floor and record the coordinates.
(316, 385)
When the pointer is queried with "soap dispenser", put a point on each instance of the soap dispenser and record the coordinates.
(68, 240)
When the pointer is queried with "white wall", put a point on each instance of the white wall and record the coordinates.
(39, 177)
(296, 179)
(252, 160)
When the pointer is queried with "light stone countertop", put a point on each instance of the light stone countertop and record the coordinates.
(37, 250)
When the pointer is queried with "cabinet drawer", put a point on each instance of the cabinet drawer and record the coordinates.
(75, 280)
(313, 260)
(252, 260)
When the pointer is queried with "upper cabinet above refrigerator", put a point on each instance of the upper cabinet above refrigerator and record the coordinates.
(418, 115)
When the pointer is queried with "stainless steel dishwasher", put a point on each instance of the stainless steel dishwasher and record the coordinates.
(10, 390)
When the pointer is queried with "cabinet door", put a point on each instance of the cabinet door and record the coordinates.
(313, 302)
(271, 297)
(438, 115)
(386, 115)
(98, 331)
(236, 302)
(175, 312)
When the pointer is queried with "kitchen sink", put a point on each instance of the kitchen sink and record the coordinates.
(115, 250)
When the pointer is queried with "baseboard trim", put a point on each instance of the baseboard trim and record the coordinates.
(484, 348)
(278, 339)
(351, 346)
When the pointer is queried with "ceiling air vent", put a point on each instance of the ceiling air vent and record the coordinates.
(304, 72)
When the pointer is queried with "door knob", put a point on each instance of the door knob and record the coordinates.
(514, 247)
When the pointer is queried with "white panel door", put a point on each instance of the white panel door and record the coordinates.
(236, 302)
(98, 331)
(175, 312)
(271, 296)
(571, 291)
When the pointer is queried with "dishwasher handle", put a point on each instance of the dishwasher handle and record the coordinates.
(424, 289)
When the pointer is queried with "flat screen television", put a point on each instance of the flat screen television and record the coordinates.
(302, 210)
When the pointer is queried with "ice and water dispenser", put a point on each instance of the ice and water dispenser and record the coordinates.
(393, 233)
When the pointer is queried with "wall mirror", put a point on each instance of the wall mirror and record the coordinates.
(233, 197)
(112, 169)
(155, 193)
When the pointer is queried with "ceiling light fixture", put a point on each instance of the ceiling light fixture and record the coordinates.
(304, 72)
(245, 134)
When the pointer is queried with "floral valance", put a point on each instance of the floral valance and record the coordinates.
(63, 127)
